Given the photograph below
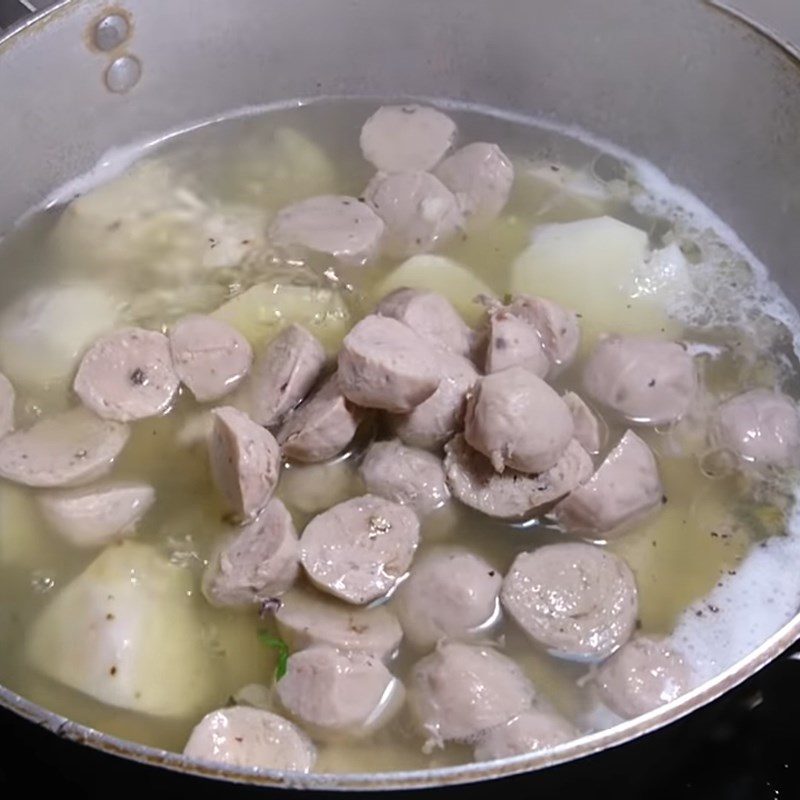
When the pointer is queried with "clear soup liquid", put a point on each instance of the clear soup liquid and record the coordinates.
(137, 240)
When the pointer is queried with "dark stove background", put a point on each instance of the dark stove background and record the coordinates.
(742, 747)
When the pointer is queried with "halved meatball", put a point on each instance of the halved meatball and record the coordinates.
(407, 475)
(576, 600)
(399, 138)
(642, 675)
(245, 460)
(516, 420)
(512, 495)
(127, 375)
(460, 691)
(624, 489)
(339, 695)
(322, 427)
(307, 618)
(431, 316)
(557, 326)
(528, 732)
(450, 594)
(759, 426)
(256, 563)
(359, 549)
(209, 356)
(384, 364)
(514, 343)
(241, 736)
(646, 381)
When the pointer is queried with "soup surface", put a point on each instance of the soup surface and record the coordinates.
(114, 628)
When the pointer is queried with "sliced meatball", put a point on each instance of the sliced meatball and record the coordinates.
(460, 691)
(588, 430)
(322, 427)
(67, 449)
(407, 475)
(337, 225)
(646, 381)
(557, 326)
(6, 406)
(437, 419)
(359, 549)
(127, 375)
(514, 343)
(400, 138)
(419, 211)
(512, 495)
(339, 695)
(759, 426)
(384, 364)
(450, 594)
(241, 736)
(245, 460)
(209, 356)
(283, 375)
(431, 316)
(96, 515)
(625, 488)
(516, 420)
(528, 732)
(576, 600)
(307, 618)
(641, 676)
(255, 564)
(480, 175)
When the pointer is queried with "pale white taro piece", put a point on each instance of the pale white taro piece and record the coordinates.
(307, 618)
(67, 449)
(245, 461)
(359, 549)
(209, 356)
(384, 364)
(240, 736)
(127, 632)
(641, 676)
(127, 375)
(322, 427)
(406, 137)
(625, 488)
(761, 427)
(93, 516)
(44, 332)
(460, 691)
(255, 564)
(536, 729)
(337, 225)
(511, 495)
(336, 695)
(432, 316)
(6, 406)
(646, 381)
(407, 475)
(434, 421)
(516, 420)
(450, 594)
(480, 175)
(419, 211)
(576, 600)
(591, 266)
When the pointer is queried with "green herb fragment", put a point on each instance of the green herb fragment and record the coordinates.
(276, 643)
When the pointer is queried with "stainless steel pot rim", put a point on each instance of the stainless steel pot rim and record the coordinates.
(416, 779)
(579, 748)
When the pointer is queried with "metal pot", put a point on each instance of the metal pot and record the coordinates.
(707, 96)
